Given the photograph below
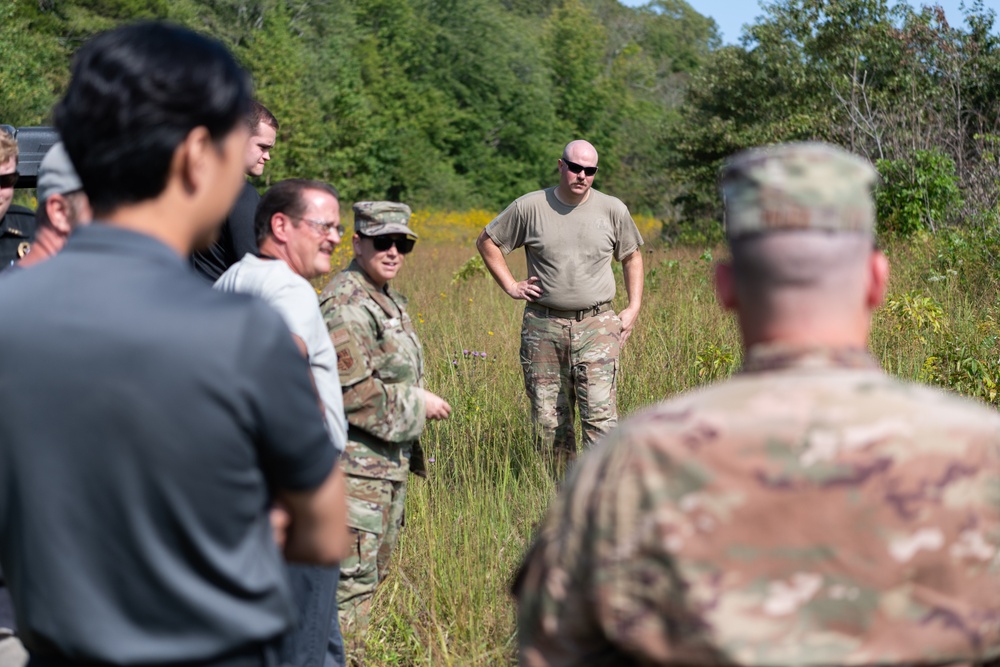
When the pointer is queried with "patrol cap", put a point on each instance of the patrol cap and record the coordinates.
(375, 218)
(56, 175)
(798, 186)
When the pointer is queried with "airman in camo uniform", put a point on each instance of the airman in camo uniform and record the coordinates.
(809, 511)
(570, 334)
(381, 365)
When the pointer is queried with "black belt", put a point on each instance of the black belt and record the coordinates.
(578, 315)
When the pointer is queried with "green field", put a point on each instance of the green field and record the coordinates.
(446, 599)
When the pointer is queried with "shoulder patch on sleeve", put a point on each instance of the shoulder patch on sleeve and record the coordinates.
(350, 358)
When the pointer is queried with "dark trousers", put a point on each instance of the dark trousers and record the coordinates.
(315, 640)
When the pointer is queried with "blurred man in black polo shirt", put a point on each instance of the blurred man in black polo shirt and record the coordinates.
(237, 236)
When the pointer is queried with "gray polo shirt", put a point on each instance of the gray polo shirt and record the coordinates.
(147, 419)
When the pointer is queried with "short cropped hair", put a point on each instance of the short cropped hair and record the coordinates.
(74, 202)
(286, 197)
(136, 92)
(798, 260)
(260, 114)
(8, 147)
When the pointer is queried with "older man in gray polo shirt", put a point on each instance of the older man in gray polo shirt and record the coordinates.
(149, 420)
(297, 226)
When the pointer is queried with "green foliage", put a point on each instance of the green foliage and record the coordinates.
(32, 63)
(919, 192)
(715, 363)
(916, 311)
(970, 368)
(450, 104)
(896, 85)
(475, 266)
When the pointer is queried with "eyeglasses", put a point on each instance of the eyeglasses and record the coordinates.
(383, 243)
(577, 168)
(325, 227)
(9, 180)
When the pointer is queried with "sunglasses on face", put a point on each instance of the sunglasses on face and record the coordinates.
(383, 243)
(577, 168)
(8, 180)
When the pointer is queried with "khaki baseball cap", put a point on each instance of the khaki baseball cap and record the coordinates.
(797, 186)
(376, 218)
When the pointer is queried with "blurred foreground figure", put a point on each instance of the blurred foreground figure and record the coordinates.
(151, 420)
(297, 227)
(17, 224)
(809, 511)
(62, 206)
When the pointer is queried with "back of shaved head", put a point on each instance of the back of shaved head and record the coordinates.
(800, 274)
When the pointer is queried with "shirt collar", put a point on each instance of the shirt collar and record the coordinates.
(355, 267)
(782, 356)
(102, 237)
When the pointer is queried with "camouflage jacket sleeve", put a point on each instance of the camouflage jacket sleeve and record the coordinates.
(379, 374)
(595, 589)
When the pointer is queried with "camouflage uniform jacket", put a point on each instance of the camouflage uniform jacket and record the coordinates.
(809, 511)
(381, 364)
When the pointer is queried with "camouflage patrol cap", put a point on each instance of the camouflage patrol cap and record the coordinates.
(375, 218)
(799, 186)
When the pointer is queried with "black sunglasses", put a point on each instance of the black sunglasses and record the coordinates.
(383, 243)
(577, 168)
(9, 180)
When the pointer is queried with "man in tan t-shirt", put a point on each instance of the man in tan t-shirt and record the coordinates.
(570, 336)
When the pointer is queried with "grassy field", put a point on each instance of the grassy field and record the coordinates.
(446, 600)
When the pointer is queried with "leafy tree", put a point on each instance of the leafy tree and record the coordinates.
(918, 193)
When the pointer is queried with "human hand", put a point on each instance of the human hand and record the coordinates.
(436, 407)
(281, 519)
(526, 290)
(628, 317)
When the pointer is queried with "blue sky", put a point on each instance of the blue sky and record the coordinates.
(730, 15)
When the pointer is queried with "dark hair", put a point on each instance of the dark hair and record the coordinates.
(286, 197)
(135, 94)
(260, 114)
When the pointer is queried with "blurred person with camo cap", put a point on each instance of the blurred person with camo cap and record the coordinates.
(381, 366)
(17, 223)
(810, 510)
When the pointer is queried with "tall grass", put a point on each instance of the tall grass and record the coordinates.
(446, 599)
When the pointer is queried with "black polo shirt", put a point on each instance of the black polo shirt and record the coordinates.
(146, 420)
(236, 237)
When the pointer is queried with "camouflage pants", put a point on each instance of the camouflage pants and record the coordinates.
(375, 518)
(567, 362)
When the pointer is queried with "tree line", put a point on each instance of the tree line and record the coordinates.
(457, 104)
